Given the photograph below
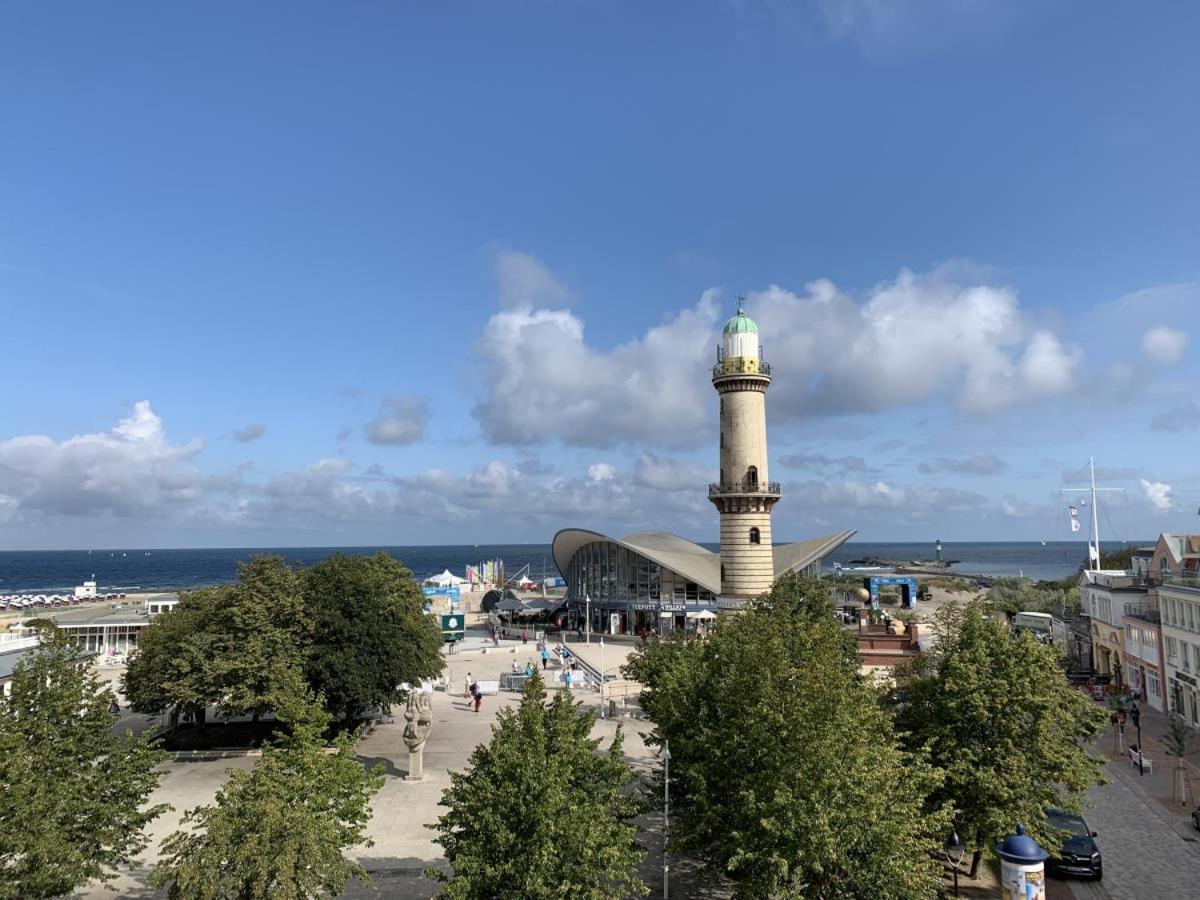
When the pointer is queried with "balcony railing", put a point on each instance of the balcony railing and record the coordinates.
(1143, 612)
(770, 488)
(740, 366)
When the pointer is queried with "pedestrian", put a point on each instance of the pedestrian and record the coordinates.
(467, 689)
(524, 637)
(477, 694)
(567, 678)
(495, 637)
(545, 658)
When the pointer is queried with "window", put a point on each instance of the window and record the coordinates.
(722, 573)
(752, 478)
(1172, 648)
(1153, 685)
(754, 538)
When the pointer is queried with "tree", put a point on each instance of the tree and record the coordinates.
(258, 637)
(539, 813)
(1177, 743)
(279, 831)
(786, 775)
(1014, 595)
(369, 633)
(170, 671)
(237, 646)
(997, 716)
(74, 794)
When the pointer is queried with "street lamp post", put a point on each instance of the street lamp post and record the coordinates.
(666, 759)
(955, 849)
(1136, 714)
(602, 677)
(587, 600)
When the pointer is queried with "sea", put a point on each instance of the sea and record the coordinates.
(135, 569)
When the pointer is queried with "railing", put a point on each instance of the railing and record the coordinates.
(1189, 580)
(1143, 612)
(732, 366)
(770, 488)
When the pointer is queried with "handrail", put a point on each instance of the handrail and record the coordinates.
(771, 488)
(724, 368)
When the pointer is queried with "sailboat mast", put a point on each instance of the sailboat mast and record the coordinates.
(1095, 513)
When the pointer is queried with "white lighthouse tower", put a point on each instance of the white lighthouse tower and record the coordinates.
(744, 495)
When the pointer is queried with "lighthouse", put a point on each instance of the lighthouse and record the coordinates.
(745, 494)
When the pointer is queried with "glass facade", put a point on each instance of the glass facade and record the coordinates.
(629, 593)
(106, 638)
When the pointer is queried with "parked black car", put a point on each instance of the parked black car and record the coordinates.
(1080, 855)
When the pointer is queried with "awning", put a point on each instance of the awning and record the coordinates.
(702, 614)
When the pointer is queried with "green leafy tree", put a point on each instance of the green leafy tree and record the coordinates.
(258, 636)
(369, 632)
(786, 775)
(238, 647)
(1177, 743)
(281, 830)
(73, 799)
(996, 715)
(540, 813)
(170, 671)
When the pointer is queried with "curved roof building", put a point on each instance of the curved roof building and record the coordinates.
(655, 581)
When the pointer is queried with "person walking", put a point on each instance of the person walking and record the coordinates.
(545, 659)
(467, 687)
(477, 694)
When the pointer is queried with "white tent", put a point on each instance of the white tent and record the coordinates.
(446, 579)
(702, 614)
(526, 581)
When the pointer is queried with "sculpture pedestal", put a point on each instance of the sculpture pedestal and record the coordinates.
(416, 765)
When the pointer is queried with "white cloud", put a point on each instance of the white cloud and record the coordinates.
(601, 472)
(1157, 494)
(546, 381)
(525, 281)
(838, 500)
(1164, 345)
(130, 470)
(249, 433)
(667, 474)
(909, 341)
(400, 421)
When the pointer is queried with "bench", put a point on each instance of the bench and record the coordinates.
(1136, 758)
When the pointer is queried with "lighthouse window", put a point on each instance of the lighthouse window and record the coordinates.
(754, 539)
(722, 572)
(752, 478)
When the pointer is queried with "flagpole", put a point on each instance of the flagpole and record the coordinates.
(1095, 513)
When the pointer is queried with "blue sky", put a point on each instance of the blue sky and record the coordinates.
(383, 273)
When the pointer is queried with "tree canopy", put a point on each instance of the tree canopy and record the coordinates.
(997, 716)
(280, 831)
(353, 626)
(368, 632)
(540, 812)
(74, 793)
(786, 775)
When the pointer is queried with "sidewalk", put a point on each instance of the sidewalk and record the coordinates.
(1159, 783)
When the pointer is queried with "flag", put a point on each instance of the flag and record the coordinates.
(1075, 526)
(1093, 553)
(1074, 511)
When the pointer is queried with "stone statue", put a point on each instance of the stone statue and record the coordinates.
(419, 716)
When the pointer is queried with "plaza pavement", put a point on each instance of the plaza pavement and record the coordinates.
(403, 847)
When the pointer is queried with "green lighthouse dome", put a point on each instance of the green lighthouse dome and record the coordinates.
(740, 323)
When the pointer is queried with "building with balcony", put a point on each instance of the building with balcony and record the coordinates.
(654, 582)
(1103, 596)
(1143, 651)
(1175, 580)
